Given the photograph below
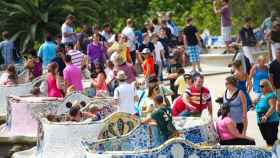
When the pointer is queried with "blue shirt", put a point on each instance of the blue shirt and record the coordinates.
(6, 50)
(263, 106)
(47, 52)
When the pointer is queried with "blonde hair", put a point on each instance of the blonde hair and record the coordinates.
(267, 83)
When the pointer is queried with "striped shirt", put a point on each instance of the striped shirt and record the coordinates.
(77, 57)
(198, 100)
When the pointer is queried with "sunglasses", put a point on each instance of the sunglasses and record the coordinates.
(262, 86)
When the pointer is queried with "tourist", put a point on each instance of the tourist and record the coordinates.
(239, 55)
(191, 42)
(156, 26)
(106, 31)
(148, 64)
(9, 77)
(99, 83)
(248, 39)
(47, 51)
(145, 44)
(125, 95)
(129, 33)
(274, 39)
(225, 14)
(95, 51)
(173, 68)
(34, 67)
(180, 82)
(59, 60)
(165, 41)
(267, 117)
(82, 39)
(197, 97)
(242, 81)
(158, 55)
(258, 72)
(119, 48)
(76, 56)
(53, 90)
(163, 118)
(110, 77)
(163, 25)
(128, 68)
(274, 76)
(72, 75)
(76, 115)
(171, 25)
(236, 100)
(268, 22)
(227, 131)
(59, 44)
(6, 50)
(67, 30)
(148, 105)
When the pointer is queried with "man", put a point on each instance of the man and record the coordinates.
(248, 39)
(67, 30)
(267, 23)
(191, 42)
(225, 13)
(125, 95)
(72, 75)
(129, 33)
(127, 68)
(47, 51)
(76, 56)
(106, 31)
(197, 97)
(6, 49)
(83, 39)
(274, 71)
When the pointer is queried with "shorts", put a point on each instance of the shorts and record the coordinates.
(226, 34)
(193, 53)
(274, 48)
(248, 52)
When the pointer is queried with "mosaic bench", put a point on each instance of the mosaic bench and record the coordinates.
(54, 139)
(15, 90)
(23, 114)
(180, 148)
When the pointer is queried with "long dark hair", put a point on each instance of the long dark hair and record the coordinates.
(151, 89)
(224, 111)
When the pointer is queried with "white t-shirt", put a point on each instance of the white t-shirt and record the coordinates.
(125, 94)
(129, 33)
(67, 29)
(158, 48)
(76, 57)
(109, 74)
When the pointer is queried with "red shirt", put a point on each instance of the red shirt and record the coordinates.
(149, 61)
(198, 100)
(178, 106)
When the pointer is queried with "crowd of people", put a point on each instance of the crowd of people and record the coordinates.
(114, 63)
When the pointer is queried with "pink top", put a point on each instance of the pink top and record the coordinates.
(72, 74)
(222, 129)
(100, 84)
(53, 90)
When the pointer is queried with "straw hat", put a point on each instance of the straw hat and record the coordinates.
(121, 76)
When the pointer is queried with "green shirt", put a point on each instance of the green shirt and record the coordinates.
(163, 117)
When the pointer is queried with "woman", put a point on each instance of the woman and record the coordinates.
(95, 51)
(227, 131)
(53, 90)
(258, 73)
(236, 101)
(99, 83)
(148, 105)
(120, 47)
(274, 39)
(267, 117)
(242, 78)
(9, 77)
(148, 64)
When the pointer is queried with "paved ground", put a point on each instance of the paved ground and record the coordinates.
(216, 85)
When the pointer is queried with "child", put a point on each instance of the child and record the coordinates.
(163, 119)
(180, 82)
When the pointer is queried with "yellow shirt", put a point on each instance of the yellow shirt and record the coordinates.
(122, 49)
(182, 85)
